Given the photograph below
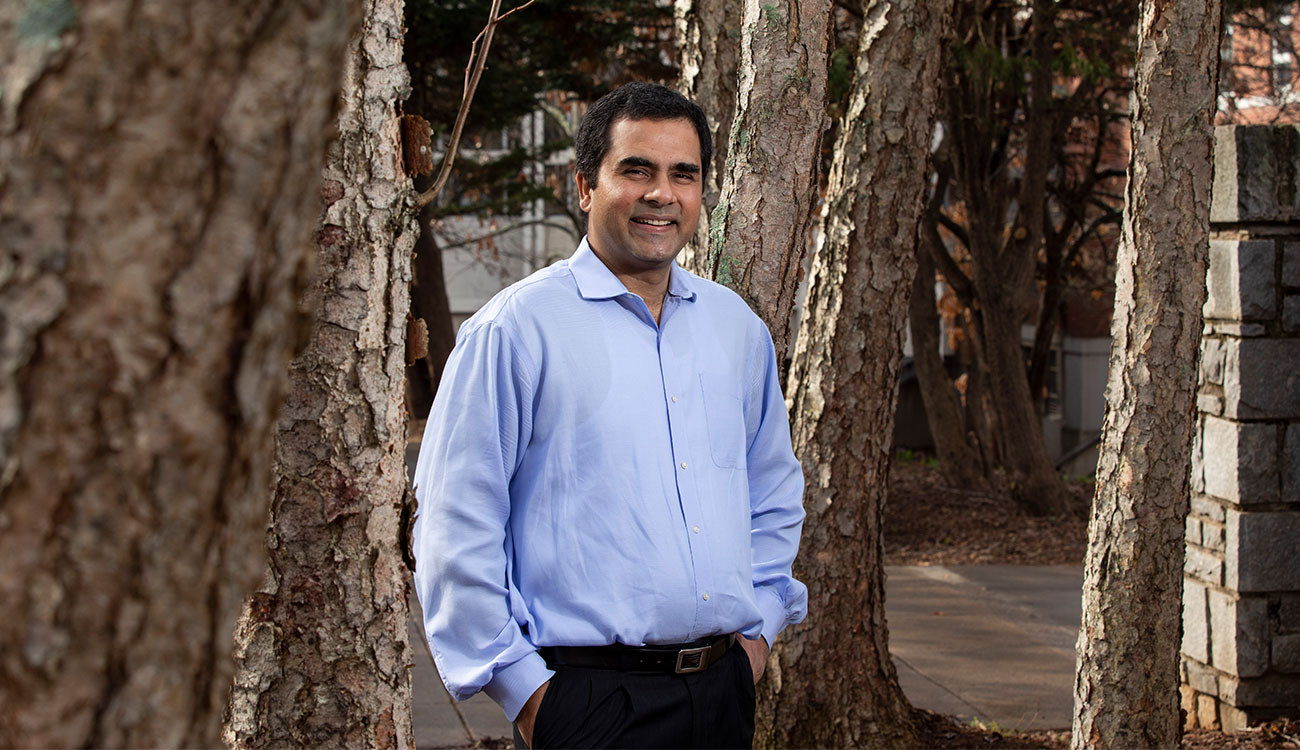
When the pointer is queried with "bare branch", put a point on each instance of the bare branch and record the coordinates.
(956, 229)
(1110, 217)
(512, 227)
(473, 72)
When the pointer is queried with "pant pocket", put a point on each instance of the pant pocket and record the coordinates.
(556, 711)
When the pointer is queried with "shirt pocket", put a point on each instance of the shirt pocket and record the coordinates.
(725, 414)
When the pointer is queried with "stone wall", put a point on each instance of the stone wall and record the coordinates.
(1241, 587)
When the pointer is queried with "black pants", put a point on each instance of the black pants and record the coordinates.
(603, 708)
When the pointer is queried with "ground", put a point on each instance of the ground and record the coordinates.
(929, 523)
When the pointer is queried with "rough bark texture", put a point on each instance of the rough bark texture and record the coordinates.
(154, 230)
(1126, 686)
(957, 458)
(322, 651)
(708, 50)
(831, 682)
(758, 233)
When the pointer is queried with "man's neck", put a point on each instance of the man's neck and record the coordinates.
(649, 284)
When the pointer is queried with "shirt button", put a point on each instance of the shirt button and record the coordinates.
(674, 399)
(683, 464)
(696, 529)
(706, 596)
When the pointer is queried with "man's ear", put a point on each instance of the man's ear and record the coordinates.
(584, 193)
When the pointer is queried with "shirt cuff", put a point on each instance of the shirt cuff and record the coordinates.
(772, 609)
(512, 685)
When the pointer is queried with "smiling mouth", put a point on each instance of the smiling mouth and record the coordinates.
(655, 222)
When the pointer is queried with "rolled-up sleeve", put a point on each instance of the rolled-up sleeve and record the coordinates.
(480, 421)
(776, 486)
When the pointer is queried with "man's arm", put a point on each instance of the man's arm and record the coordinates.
(757, 650)
(775, 496)
(528, 714)
(480, 421)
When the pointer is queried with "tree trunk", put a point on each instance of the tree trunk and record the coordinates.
(1032, 477)
(322, 651)
(429, 303)
(1126, 686)
(154, 225)
(708, 50)
(957, 458)
(831, 682)
(758, 234)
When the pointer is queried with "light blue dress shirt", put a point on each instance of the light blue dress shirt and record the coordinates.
(590, 477)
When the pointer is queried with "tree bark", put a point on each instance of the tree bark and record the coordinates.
(708, 50)
(1126, 685)
(758, 233)
(322, 652)
(844, 380)
(957, 458)
(151, 164)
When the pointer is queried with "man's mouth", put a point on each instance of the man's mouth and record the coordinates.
(654, 222)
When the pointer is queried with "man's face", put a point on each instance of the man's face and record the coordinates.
(646, 202)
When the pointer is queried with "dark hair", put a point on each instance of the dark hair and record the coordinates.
(635, 101)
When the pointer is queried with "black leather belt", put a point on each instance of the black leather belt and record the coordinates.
(677, 658)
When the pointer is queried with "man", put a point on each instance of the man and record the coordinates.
(609, 506)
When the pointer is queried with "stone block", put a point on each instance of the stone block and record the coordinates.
(1238, 634)
(1291, 264)
(1291, 464)
(1209, 403)
(1261, 379)
(1261, 551)
(1193, 531)
(1207, 712)
(1240, 283)
(1203, 565)
(1288, 612)
(1291, 313)
(1232, 719)
(1203, 678)
(1277, 690)
(1238, 330)
(1256, 169)
(1212, 536)
(1286, 653)
(1208, 507)
(1212, 360)
(1196, 625)
(1187, 703)
(1240, 460)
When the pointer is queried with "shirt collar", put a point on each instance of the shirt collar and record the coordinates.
(596, 281)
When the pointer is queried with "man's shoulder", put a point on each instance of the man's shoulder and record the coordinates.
(525, 298)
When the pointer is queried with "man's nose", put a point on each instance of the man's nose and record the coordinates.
(660, 191)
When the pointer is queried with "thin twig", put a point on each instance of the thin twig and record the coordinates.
(473, 72)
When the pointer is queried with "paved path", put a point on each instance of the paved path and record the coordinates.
(987, 642)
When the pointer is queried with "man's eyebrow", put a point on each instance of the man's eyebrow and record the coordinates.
(635, 161)
(641, 161)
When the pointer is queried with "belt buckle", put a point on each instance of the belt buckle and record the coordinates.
(691, 659)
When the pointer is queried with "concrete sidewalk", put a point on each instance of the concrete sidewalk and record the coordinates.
(987, 642)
